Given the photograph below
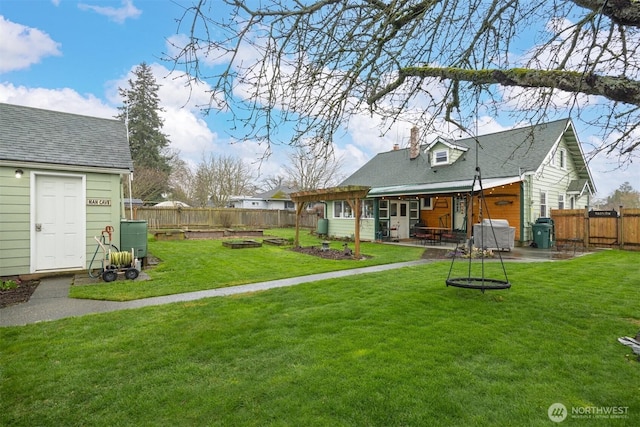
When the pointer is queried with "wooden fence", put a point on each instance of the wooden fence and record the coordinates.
(613, 229)
(207, 218)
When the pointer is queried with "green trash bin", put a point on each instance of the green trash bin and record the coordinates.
(542, 233)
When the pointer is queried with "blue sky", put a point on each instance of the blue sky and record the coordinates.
(72, 56)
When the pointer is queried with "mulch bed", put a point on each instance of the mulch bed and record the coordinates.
(432, 253)
(18, 295)
(326, 254)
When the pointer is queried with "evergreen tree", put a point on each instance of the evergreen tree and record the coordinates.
(149, 146)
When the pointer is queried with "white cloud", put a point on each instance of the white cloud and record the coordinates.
(119, 15)
(64, 99)
(22, 46)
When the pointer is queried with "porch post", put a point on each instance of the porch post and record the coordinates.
(357, 225)
(299, 207)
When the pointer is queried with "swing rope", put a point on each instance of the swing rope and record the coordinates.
(482, 283)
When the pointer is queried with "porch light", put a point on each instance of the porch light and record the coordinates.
(19, 173)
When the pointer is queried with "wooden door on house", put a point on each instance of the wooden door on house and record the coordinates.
(58, 223)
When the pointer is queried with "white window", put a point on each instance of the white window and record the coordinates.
(543, 204)
(426, 203)
(560, 201)
(341, 209)
(367, 209)
(441, 157)
(383, 209)
(562, 158)
(414, 210)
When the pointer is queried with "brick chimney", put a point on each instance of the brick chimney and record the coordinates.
(414, 147)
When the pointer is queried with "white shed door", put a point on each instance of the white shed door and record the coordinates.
(59, 223)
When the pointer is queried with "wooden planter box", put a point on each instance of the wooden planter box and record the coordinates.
(277, 241)
(241, 244)
(169, 235)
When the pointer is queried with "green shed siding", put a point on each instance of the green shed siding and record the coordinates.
(103, 186)
(15, 216)
(14, 222)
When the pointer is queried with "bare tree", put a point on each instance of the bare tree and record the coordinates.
(311, 167)
(148, 184)
(217, 178)
(274, 181)
(181, 182)
(317, 63)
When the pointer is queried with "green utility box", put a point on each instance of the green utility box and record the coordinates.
(543, 233)
(133, 234)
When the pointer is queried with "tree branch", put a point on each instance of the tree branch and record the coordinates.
(623, 12)
(620, 89)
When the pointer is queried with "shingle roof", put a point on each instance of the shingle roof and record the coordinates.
(281, 192)
(499, 155)
(43, 136)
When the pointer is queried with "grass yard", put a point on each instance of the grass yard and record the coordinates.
(396, 348)
(194, 265)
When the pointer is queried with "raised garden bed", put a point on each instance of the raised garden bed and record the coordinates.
(204, 234)
(214, 233)
(277, 241)
(241, 244)
(169, 235)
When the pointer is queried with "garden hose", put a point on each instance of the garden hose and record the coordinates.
(101, 243)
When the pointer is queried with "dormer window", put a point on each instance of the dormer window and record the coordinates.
(441, 157)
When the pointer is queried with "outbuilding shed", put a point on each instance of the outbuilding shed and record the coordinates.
(61, 184)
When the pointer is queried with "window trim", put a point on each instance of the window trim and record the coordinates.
(544, 204)
(445, 161)
(426, 203)
(562, 158)
(383, 209)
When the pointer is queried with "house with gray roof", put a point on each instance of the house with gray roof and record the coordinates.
(61, 184)
(517, 175)
(277, 198)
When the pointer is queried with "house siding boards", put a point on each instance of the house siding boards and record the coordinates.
(15, 216)
(90, 151)
(103, 186)
(344, 227)
(14, 222)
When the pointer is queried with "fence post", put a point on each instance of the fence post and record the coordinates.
(587, 243)
(620, 226)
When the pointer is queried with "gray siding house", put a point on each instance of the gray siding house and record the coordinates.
(61, 184)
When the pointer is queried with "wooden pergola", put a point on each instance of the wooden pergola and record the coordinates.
(353, 194)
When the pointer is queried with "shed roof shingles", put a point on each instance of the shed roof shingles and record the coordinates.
(44, 136)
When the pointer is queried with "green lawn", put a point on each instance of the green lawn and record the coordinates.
(193, 265)
(397, 348)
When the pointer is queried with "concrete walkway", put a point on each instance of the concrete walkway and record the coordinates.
(50, 301)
